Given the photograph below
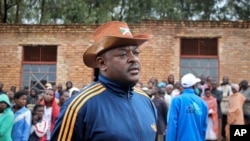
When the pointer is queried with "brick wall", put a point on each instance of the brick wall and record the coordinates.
(160, 56)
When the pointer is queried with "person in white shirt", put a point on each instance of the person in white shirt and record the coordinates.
(226, 89)
(39, 124)
(168, 97)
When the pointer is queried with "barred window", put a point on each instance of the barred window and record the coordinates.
(39, 53)
(199, 56)
(39, 66)
(199, 47)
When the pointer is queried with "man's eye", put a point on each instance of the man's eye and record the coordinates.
(136, 52)
(122, 54)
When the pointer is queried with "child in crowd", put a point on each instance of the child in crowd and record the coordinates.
(39, 125)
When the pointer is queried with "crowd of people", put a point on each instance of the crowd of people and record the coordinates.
(227, 103)
(116, 106)
(35, 113)
(31, 114)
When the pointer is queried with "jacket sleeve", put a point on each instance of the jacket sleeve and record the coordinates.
(205, 123)
(172, 121)
(27, 126)
(64, 128)
(57, 127)
(8, 123)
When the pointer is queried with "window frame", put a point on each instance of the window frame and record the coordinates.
(198, 56)
(27, 62)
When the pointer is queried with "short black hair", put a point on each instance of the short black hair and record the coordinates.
(36, 107)
(18, 94)
(207, 89)
(244, 82)
(60, 94)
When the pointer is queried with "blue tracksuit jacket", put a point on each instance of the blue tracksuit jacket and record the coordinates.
(187, 119)
(106, 111)
(22, 125)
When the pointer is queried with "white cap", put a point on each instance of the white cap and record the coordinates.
(72, 89)
(189, 80)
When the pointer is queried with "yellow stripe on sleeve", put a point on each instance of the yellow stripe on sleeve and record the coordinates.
(69, 119)
(140, 92)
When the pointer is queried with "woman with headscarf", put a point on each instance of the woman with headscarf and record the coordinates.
(235, 109)
(32, 98)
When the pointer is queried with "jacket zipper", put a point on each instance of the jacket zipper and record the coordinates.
(135, 117)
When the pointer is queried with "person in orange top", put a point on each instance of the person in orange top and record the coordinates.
(235, 110)
(212, 128)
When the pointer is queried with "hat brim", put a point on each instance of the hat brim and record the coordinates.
(110, 42)
(195, 81)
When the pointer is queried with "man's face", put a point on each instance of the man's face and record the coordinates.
(3, 106)
(64, 97)
(49, 95)
(69, 85)
(208, 93)
(54, 87)
(214, 85)
(177, 85)
(169, 90)
(39, 112)
(171, 79)
(225, 79)
(121, 64)
(203, 79)
(33, 92)
(59, 87)
(11, 94)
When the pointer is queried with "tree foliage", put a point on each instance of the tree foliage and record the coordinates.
(99, 11)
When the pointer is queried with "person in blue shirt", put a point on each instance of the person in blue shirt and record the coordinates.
(188, 114)
(110, 109)
(22, 121)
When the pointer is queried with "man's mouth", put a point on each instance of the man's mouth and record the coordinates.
(134, 70)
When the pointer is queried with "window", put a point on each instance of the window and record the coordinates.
(39, 66)
(200, 57)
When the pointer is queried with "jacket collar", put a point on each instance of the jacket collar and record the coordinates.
(116, 88)
(188, 91)
(21, 110)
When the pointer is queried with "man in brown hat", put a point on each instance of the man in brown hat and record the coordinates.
(110, 109)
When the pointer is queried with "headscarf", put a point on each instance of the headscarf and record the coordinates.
(235, 86)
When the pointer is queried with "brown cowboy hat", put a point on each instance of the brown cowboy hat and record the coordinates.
(111, 35)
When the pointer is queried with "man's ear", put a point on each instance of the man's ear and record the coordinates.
(101, 62)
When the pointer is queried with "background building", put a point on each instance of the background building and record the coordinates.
(31, 55)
